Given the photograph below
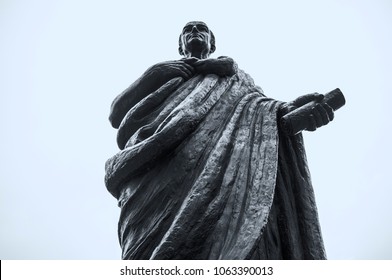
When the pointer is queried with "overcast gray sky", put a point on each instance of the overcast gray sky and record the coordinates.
(63, 62)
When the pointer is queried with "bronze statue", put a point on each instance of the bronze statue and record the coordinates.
(206, 169)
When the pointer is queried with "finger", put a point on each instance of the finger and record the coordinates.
(190, 60)
(329, 111)
(312, 126)
(187, 69)
(201, 64)
(190, 68)
(317, 117)
(304, 99)
(197, 63)
(181, 65)
(176, 70)
(318, 97)
(322, 113)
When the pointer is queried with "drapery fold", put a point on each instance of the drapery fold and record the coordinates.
(204, 174)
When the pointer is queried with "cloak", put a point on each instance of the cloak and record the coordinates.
(203, 173)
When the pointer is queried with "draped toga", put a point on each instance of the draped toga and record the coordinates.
(203, 173)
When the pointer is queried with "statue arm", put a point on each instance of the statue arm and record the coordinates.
(221, 66)
(307, 112)
(151, 80)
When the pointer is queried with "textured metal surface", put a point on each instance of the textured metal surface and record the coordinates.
(205, 175)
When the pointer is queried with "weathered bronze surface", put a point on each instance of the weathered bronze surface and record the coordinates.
(301, 118)
(205, 170)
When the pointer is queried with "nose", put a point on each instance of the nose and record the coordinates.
(194, 29)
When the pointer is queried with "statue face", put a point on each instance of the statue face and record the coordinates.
(196, 36)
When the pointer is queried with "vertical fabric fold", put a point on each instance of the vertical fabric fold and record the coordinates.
(205, 175)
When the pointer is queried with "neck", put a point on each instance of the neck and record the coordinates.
(197, 54)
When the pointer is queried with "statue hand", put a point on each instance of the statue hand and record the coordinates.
(222, 66)
(320, 114)
(165, 71)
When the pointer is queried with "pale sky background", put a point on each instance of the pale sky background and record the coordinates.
(63, 62)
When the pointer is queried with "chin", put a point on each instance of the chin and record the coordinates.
(196, 42)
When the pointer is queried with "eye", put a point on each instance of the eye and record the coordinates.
(187, 28)
(202, 28)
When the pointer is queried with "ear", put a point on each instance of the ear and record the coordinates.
(180, 51)
(212, 48)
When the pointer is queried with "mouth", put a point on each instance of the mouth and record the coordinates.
(195, 36)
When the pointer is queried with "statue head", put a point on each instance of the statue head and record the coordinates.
(197, 40)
